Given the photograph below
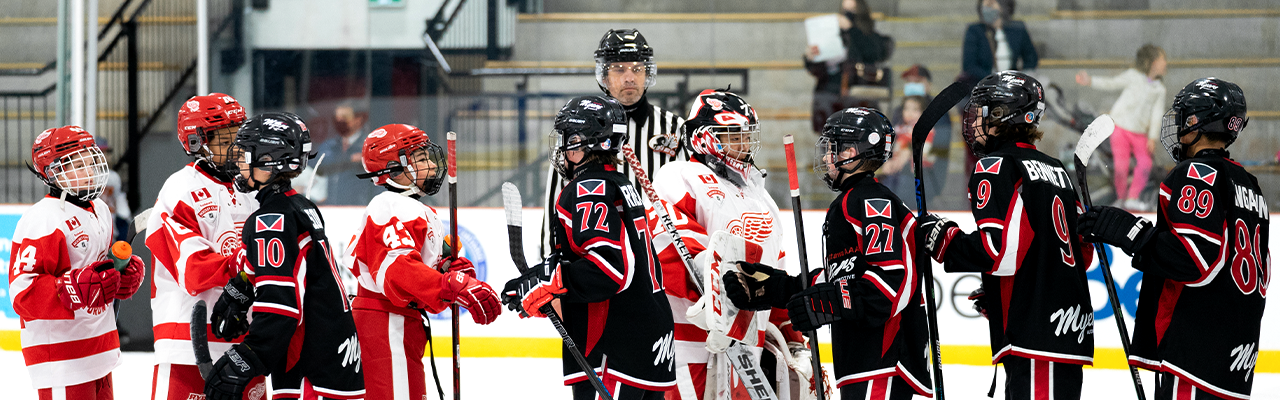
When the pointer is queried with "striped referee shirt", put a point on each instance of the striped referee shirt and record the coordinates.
(655, 136)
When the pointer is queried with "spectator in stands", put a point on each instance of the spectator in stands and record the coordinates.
(898, 173)
(997, 43)
(1137, 114)
(342, 160)
(917, 81)
(858, 80)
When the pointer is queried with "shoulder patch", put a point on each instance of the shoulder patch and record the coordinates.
(878, 208)
(269, 222)
(1202, 172)
(591, 187)
(989, 165)
(201, 194)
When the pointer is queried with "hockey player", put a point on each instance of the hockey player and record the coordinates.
(1205, 262)
(871, 295)
(194, 240)
(61, 280)
(720, 188)
(602, 269)
(301, 326)
(625, 71)
(1026, 247)
(398, 263)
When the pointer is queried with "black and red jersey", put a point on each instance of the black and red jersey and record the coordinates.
(869, 236)
(614, 308)
(1205, 275)
(1032, 260)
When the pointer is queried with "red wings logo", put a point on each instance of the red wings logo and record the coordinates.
(753, 226)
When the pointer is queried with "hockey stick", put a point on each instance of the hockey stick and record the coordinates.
(452, 139)
(200, 338)
(789, 145)
(746, 370)
(1097, 132)
(936, 110)
(512, 204)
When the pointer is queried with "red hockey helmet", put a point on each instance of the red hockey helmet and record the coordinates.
(397, 148)
(201, 115)
(67, 159)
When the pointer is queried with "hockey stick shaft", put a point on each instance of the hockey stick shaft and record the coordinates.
(936, 110)
(1111, 285)
(200, 338)
(788, 143)
(512, 204)
(663, 217)
(452, 139)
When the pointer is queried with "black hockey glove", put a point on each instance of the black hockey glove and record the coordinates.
(1116, 227)
(232, 373)
(816, 306)
(231, 313)
(979, 297)
(535, 288)
(759, 287)
(934, 229)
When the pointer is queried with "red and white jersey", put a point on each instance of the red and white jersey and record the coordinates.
(194, 227)
(700, 202)
(61, 347)
(394, 251)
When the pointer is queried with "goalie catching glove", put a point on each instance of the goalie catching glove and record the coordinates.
(759, 287)
(535, 287)
(1116, 227)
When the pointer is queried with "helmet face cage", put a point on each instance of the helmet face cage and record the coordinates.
(435, 166)
(1170, 135)
(82, 174)
(557, 145)
(829, 164)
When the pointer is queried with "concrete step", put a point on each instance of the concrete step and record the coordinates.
(1182, 38)
(886, 7)
(37, 44)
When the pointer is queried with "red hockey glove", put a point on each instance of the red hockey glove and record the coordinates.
(239, 261)
(88, 287)
(476, 296)
(535, 288)
(979, 297)
(463, 265)
(937, 232)
(131, 278)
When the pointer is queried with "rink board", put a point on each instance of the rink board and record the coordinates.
(483, 233)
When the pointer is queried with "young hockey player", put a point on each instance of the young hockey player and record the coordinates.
(398, 263)
(1034, 289)
(871, 295)
(602, 270)
(1205, 262)
(60, 277)
(720, 189)
(301, 326)
(194, 238)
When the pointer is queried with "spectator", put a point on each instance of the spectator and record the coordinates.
(1137, 114)
(858, 80)
(997, 30)
(342, 156)
(898, 173)
(918, 81)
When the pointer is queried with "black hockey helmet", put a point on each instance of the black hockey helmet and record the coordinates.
(1204, 105)
(624, 45)
(1004, 98)
(866, 132)
(276, 141)
(590, 124)
(715, 115)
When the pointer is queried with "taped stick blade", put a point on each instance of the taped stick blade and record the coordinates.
(1097, 132)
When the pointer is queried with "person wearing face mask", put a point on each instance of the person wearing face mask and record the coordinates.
(858, 80)
(996, 42)
(342, 160)
(917, 81)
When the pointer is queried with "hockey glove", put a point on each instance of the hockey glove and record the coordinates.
(1116, 227)
(89, 287)
(232, 373)
(460, 264)
(937, 232)
(131, 278)
(239, 261)
(759, 287)
(230, 316)
(536, 287)
(476, 296)
(818, 305)
(979, 297)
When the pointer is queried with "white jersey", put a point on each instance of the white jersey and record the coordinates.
(700, 203)
(193, 230)
(61, 347)
(394, 252)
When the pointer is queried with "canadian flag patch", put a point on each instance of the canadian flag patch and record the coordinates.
(1202, 172)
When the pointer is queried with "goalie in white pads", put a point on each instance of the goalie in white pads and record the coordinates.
(719, 189)
(400, 265)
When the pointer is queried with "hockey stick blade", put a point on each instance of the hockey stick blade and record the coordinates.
(512, 205)
(200, 338)
(137, 225)
(938, 108)
(1097, 132)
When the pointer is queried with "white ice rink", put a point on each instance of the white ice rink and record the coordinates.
(537, 378)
